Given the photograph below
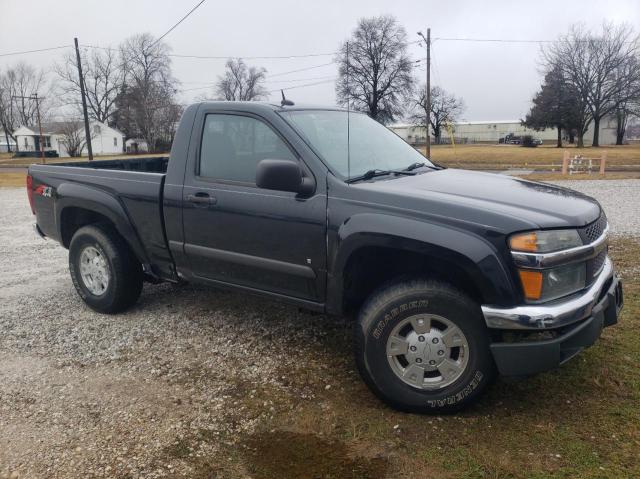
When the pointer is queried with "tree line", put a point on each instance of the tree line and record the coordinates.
(130, 87)
(587, 76)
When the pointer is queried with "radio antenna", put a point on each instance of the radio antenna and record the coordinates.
(284, 101)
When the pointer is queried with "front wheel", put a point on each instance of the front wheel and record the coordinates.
(421, 346)
(104, 271)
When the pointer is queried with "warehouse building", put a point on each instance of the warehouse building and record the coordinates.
(492, 131)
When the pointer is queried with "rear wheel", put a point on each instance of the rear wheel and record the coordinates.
(104, 271)
(421, 346)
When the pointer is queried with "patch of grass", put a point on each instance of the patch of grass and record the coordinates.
(488, 157)
(12, 179)
(581, 420)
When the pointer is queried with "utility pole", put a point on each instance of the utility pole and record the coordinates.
(37, 99)
(39, 127)
(427, 41)
(87, 133)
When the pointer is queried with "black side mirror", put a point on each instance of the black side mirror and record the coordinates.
(283, 175)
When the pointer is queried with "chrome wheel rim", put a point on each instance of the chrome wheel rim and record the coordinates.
(94, 270)
(427, 351)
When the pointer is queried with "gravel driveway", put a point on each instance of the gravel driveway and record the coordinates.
(619, 198)
(172, 387)
(155, 392)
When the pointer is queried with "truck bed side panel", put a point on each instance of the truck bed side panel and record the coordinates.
(131, 200)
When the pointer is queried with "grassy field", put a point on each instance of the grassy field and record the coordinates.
(512, 156)
(12, 179)
(581, 421)
(624, 159)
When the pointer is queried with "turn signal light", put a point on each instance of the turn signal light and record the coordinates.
(531, 284)
(524, 242)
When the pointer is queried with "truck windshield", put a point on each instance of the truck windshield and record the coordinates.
(364, 146)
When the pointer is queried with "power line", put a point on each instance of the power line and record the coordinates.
(35, 51)
(293, 80)
(276, 57)
(179, 22)
(507, 40)
(226, 57)
(300, 70)
(301, 86)
(326, 79)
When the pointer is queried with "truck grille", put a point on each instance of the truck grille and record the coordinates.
(593, 231)
(594, 266)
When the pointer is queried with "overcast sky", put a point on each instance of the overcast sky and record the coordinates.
(496, 80)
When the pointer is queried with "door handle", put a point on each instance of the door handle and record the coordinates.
(202, 199)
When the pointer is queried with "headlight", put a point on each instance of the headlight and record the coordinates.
(548, 284)
(545, 241)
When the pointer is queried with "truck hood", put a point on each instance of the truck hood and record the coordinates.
(476, 196)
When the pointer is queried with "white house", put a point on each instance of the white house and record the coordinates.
(104, 139)
(4, 145)
(492, 131)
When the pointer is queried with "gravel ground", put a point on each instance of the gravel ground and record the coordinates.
(619, 198)
(155, 392)
(170, 388)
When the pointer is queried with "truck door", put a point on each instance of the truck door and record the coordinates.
(236, 233)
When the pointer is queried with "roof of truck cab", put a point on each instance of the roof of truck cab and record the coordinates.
(261, 105)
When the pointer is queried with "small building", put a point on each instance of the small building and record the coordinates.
(104, 139)
(492, 131)
(136, 145)
(5, 145)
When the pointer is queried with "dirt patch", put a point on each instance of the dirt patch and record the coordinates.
(305, 456)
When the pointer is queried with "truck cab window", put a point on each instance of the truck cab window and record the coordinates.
(233, 145)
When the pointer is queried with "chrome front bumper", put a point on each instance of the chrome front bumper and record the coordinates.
(555, 314)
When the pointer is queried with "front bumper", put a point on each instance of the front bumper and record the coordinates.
(574, 324)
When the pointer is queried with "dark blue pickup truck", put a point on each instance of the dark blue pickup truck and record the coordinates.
(453, 275)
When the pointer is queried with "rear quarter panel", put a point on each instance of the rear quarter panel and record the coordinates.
(131, 200)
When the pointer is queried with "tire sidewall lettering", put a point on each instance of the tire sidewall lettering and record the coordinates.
(393, 314)
(460, 395)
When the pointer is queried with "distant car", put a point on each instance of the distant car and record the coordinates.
(512, 139)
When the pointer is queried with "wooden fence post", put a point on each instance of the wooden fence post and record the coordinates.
(603, 162)
(565, 162)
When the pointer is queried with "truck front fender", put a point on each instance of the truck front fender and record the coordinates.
(73, 195)
(477, 257)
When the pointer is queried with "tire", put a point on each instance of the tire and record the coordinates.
(117, 283)
(463, 371)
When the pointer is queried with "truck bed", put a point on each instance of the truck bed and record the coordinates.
(132, 188)
(156, 164)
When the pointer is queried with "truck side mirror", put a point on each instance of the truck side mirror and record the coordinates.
(283, 175)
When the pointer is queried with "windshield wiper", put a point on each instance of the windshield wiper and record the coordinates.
(420, 164)
(414, 166)
(367, 175)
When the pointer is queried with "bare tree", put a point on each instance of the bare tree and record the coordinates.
(375, 72)
(241, 82)
(146, 103)
(103, 77)
(599, 66)
(445, 109)
(17, 85)
(73, 136)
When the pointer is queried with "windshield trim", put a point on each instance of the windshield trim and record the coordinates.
(303, 137)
